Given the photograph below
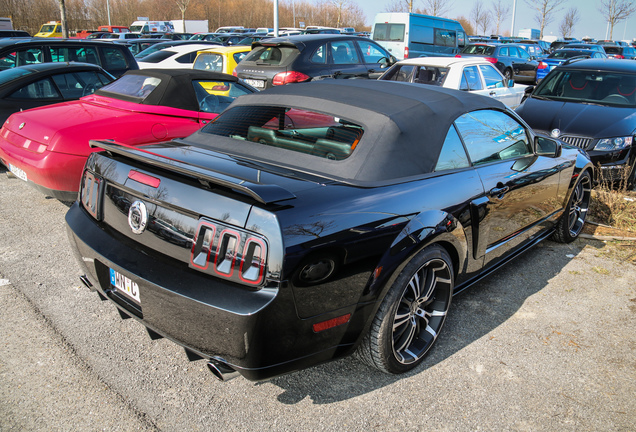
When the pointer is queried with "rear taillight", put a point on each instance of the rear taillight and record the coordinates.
(406, 52)
(90, 192)
(542, 65)
(618, 56)
(491, 60)
(234, 73)
(289, 77)
(237, 255)
(458, 56)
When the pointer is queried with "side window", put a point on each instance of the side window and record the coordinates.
(344, 52)
(513, 52)
(470, 79)
(77, 84)
(187, 58)
(239, 56)
(21, 58)
(492, 77)
(320, 55)
(113, 58)
(504, 52)
(371, 52)
(492, 136)
(403, 73)
(523, 54)
(43, 89)
(29, 56)
(453, 154)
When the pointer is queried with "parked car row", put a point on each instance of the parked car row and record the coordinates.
(271, 231)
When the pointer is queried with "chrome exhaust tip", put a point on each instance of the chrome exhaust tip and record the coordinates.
(222, 371)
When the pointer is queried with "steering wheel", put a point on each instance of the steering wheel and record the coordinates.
(209, 104)
(89, 89)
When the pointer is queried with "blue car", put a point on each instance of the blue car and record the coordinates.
(562, 55)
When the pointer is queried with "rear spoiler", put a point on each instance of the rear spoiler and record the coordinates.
(263, 193)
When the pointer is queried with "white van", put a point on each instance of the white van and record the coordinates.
(152, 27)
(411, 35)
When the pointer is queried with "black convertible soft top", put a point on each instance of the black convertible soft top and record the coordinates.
(404, 127)
(175, 90)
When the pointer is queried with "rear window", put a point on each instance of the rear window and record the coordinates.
(289, 128)
(158, 56)
(479, 49)
(613, 50)
(11, 74)
(389, 32)
(209, 61)
(138, 86)
(271, 55)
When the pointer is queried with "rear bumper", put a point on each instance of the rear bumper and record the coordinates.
(257, 333)
(54, 174)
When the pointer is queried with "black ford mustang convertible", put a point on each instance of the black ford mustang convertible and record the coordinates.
(312, 221)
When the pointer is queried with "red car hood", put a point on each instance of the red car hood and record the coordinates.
(67, 127)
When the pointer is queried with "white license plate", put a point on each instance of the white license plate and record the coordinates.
(19, 173)
(124, 285)
(259, 84)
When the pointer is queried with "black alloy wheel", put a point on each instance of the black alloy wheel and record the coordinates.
(412, 314)
(571, 223)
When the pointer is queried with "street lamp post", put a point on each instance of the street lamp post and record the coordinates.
(108, 10)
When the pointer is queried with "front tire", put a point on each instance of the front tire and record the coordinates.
(571, 223)
(411, 315)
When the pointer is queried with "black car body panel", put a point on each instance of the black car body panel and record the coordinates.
(584, 122)
(327, 246)
(512, 60)
(48, 83)
(312, 57)
(114, 58)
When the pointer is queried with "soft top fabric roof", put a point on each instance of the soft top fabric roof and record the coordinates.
(175, 89)
(404, 126)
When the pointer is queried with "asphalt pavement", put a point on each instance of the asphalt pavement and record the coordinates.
(545, 344)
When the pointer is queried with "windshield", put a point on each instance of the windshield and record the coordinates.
(47, 28)
(602, 88)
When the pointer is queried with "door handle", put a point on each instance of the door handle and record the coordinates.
(498, 192)
(492, 93)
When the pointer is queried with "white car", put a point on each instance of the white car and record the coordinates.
(467, 74)
(175, 57)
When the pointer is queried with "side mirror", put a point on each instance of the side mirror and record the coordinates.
(526, 93)
(547, 147)
(511, 83)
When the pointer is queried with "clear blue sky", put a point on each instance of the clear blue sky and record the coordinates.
(590, 24)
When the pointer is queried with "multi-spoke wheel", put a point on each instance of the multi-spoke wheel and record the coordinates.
(412, 314)
(571, 223)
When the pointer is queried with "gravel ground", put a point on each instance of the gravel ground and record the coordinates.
(545, 344)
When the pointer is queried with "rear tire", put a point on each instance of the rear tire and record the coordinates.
(571, 223)
(411, 315)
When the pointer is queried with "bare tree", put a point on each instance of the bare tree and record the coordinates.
(615, 11)
(480, 16)
(339, 5)
(437, 8)
(545, 11)
(63, 16)
(500, 12)
(570, 19)
(400, 6)
(183, 6)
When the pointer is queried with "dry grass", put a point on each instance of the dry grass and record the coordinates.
(614, 205)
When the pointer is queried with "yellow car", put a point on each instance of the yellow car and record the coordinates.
(50, 29)
(221, 59)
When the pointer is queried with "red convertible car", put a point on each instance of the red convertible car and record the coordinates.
(48, 146)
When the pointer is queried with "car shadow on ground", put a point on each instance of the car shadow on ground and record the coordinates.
(473, 314)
